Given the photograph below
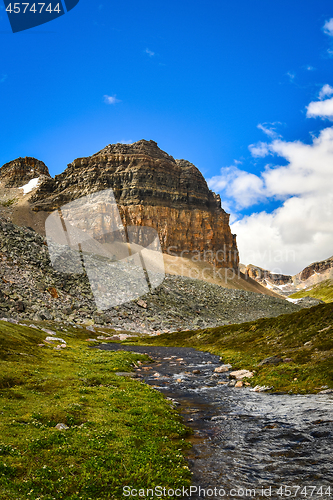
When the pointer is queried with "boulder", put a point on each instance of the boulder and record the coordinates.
(240, 374)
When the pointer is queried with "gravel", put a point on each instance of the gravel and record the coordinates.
(31, 289)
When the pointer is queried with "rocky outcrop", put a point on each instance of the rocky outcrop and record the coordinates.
(19, 172)
(263, 276)
(151, 189)
(316, 268)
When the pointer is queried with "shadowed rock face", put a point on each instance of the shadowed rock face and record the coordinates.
(19, 172)
(151, 189)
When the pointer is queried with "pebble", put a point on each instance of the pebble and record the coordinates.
(61, 427)
(222, 368)
(261, 388)
(55, 339)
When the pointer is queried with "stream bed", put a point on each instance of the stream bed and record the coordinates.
(245, 444)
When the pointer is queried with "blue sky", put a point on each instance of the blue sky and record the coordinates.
(226, 85)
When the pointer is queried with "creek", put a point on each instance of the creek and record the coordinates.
(245, 444)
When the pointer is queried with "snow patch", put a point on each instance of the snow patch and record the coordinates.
(30, 186)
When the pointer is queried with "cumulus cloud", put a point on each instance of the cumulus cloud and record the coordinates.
(244, 188)
(259, 150)
(290, 238)
(325, 91)
(300, 231)
(328, 27)
(321, 109)
(111, 99)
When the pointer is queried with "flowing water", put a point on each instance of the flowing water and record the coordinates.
(245, 444)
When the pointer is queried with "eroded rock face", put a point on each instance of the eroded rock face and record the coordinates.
(19, 172)
(151, 189)
(262, 275)
(316, 267)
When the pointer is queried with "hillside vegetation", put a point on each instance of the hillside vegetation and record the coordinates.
(119, 430)
(323, 291)
(306, 337)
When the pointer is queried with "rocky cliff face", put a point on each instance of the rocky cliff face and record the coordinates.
(263, 276)
(19, 172)
(316, 268)
(151, 189)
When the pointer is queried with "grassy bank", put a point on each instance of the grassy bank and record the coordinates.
(323, 291)
(305, 336)
(120, 431)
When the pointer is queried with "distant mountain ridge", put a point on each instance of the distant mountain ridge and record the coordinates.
(285, 284)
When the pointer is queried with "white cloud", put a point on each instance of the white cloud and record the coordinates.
(321, 109)
(301, 230)
(108, 99)
(269, 129)
(328, 27)
(289, 239)
(124, 141)
(244, 188)
(325, 91)
(150, 52)
(259, 150)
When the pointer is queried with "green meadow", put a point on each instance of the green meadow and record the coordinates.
(323, 291)
(120, 431)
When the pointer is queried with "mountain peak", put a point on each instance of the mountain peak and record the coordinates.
(142, 147)
(19, 172)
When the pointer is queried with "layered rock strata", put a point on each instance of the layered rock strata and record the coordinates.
(151, 189)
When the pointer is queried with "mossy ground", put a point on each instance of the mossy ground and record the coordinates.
(305, 336)
(121, 431)
(323, 291)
